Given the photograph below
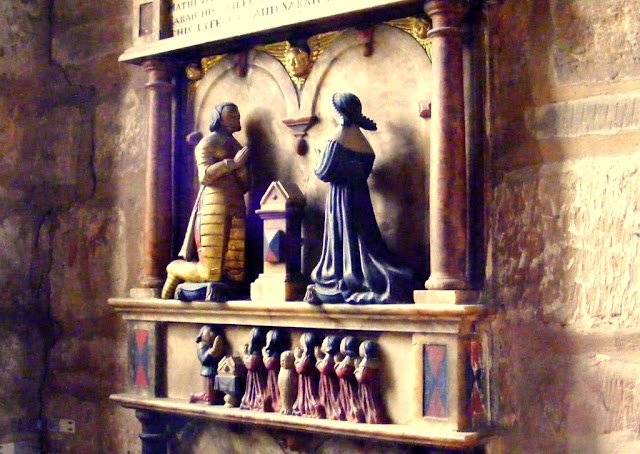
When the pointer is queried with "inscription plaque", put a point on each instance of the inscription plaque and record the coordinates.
(221, 19)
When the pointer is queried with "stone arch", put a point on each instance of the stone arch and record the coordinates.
(349, 40)
(257, 60)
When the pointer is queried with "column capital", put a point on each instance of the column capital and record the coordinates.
(159, 73)
(156, 64)
(453, 10)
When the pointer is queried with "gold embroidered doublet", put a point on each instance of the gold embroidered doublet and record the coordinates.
(220, 219)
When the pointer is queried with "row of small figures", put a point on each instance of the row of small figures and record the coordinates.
(333, 378)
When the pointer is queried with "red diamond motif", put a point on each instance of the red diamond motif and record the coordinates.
(436, 355)
(141, 378)
(476, 406)
(436, 406)
(141, 338)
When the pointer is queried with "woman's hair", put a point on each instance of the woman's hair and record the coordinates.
(308, 341)
(333, 344)
(258, 339)
(371, 349)
(277, 341)
(348, 111)
(350, 346)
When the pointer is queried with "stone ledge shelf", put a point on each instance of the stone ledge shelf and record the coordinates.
(435, 365)
(407, 318)
(410, 434)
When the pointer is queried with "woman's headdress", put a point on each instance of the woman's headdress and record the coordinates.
(348, 110)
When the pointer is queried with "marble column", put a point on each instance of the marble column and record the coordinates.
(158, 206)
(448, 181)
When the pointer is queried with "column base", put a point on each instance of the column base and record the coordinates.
(442, 281)
(152, 281)
(446, 296)
(145, 292)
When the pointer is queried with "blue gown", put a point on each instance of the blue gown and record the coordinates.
(355, 266)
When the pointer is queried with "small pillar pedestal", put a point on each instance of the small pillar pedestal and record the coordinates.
(446, 296)
(281, 212)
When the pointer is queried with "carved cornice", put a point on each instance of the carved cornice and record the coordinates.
(434, 312)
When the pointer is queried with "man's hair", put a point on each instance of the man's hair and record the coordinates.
(216, 115)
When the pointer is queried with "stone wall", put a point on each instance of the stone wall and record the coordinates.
(97, 243)
(31, 164)
(565, 224)
(71, 121)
